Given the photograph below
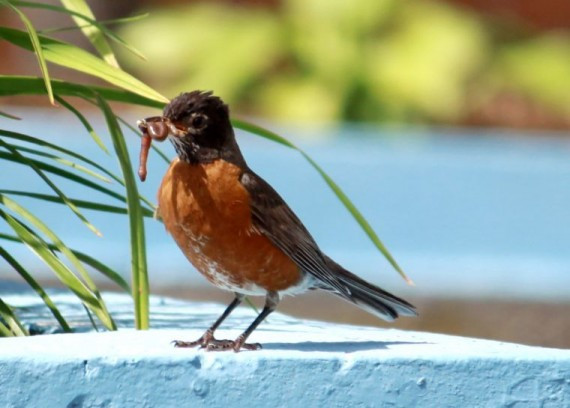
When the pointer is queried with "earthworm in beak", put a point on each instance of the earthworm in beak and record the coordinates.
(151, 128)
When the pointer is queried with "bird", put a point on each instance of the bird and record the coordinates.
(235, 229)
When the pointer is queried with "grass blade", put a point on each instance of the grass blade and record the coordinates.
(89, 205)
(356, 214)
(9, 116)
(83, 121)
(65, 174)
(34, 41)
(117, 118)
(43, 228)
(87, 260)
(73, 57)
(63, 273)
(91, 320)
(136, 223)
(26, 85)
(15, 327)
(93, 33)
(46, 179)
(63, 162)
(75, 178)
(103, 23)
(259, 131)
(94, 30)
(104, 270)
(4, 331)
(37, 288)
(43, 143)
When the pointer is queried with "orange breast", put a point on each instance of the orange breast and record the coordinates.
(206, 210)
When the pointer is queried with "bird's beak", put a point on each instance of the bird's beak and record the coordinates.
(159, 128)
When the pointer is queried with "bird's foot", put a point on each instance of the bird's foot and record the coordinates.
(208, 342)
(203, 341)
(235, 345)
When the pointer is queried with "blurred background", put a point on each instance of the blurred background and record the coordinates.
(445, 121)
(455, 62)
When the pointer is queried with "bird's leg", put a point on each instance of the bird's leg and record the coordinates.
(208, 336)
(271, 301)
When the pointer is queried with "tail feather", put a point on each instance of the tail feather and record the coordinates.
(370, 297)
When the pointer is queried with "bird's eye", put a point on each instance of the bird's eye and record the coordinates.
(198, 121)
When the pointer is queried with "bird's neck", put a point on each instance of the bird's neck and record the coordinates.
(195, 154)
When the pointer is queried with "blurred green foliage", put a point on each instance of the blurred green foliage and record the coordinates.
(373, 60)
(538, 67)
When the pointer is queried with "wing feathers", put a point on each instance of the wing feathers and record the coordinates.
(273, 218)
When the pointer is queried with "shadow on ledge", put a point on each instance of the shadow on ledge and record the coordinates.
(340, 346)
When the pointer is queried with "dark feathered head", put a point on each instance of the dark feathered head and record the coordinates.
(198, 112)
(198, 125)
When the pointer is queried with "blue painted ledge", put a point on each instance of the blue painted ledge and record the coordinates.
(303, 363)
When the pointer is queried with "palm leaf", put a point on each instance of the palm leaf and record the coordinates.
(87, 260)
(36, 46)
(92, 32)
(56, 189)
(63, 273)
(62, 161)
(9, 116)
(43, 228)
(84, 122)
(27, 85)
(71, 176)
(14, 327)
(136, 223)
(37, 288)
(90, 205)
(103, 23)
(4, 330)
(71, 56)
(51, 146)
(45, 167)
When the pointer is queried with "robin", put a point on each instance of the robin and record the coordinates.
(236, 229)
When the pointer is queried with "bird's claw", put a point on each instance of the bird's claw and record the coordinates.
(202, 341)
(235, 345)
(209, 343)
(185, 344)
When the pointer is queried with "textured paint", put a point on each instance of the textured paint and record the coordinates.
(303, 363)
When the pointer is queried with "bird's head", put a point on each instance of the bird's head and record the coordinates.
(198, 125)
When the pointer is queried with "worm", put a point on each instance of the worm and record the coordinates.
(145, 147)
(152, 128)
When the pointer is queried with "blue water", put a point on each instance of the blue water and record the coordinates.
(479, 214)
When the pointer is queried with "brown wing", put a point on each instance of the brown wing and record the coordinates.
(273, 218)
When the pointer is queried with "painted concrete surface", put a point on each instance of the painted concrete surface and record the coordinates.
(303, 363)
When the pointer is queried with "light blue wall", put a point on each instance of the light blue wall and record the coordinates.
(484, 214)
(302, 364)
